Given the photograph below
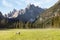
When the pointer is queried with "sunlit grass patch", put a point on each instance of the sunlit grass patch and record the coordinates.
(30, 34)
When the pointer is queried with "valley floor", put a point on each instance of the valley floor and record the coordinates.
(30, 34)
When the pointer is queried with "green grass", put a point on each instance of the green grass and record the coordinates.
(30, 34)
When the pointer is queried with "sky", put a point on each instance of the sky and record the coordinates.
(8, 5)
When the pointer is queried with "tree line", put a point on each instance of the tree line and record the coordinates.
(53, 23)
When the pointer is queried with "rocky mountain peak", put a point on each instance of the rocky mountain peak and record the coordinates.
(30, 12)
(30, 6)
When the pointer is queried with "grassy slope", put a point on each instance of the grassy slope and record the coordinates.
(30, 34)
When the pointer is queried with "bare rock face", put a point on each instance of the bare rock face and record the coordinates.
(30, 13)
(11, 14)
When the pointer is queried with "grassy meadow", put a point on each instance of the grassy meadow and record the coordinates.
(30, 34)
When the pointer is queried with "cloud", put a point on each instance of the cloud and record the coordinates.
(40, 2)
(35, 2)
(7, 4)
(18, 3)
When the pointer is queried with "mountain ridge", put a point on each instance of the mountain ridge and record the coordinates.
(49, 15)
(30, 13)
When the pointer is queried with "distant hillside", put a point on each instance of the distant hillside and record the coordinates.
(1, 16)
(50, 17)
(2, 21)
